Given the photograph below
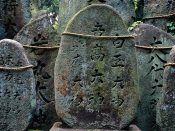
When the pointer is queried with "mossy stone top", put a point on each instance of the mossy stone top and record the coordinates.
(68, 8)
(95, 78)
(17, 87)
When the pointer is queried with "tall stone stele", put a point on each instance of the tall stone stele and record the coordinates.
(14, 15)
(159, 12)
(95, 78)
(166, 104)
(41, 44)
(17, 87)
(153, 47)
(68, 8)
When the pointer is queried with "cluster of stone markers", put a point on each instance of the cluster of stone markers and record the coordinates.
(99, 76)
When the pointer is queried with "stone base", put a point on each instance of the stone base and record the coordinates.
(57, 127)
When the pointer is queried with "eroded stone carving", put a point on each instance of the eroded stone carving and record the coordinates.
(17, 88)
(153, 47)
(41, 44)
(95, 79)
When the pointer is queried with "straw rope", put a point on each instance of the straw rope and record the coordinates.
(170, 64)
(16, 68)
(161, 16)
(151, 47)
(92, 36)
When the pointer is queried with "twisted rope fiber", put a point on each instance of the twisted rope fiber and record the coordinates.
(170, 64)
(93, 36)
(16, 68)
(42, 47)
(161, 16)
(151, 47)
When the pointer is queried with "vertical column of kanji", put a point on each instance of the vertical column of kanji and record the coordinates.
(166, 104)
(17, 87)
(40, 41)
(153, 47)
(95, 80)
(68, 8)
(14, 15)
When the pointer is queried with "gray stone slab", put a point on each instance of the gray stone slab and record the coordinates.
(68, 8)
(153, 8)
(41, 45)
(17, 88)
(150, 71)
(166, 104)
(14, 15)
(58, 127)
(95, 78)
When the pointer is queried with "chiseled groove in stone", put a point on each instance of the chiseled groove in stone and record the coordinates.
(95, 78)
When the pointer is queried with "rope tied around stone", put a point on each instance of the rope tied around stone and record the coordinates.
(16, 68)
(151, 47)
(93, 36)
(169, 64)
(161, 16)
(41, 47)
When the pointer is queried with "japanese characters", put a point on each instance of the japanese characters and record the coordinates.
(94, 77)
(153, 47)
(17, 87)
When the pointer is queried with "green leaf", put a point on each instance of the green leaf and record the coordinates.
(130, 28)
(169, 23)
(172, 28)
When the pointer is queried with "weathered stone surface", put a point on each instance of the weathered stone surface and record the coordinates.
(95, 78)
(17, 88)
(150, 71)
(58, 127)
(166, 105)
(37, 35)
(68, 8)
(153, 8)
(14, 15)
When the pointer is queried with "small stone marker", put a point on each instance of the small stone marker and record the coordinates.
(166, 105)
(159, 12)
(17, 87)
(95, 78)
(14, 15)
(41, 44)
(153, 47)
(68, 8)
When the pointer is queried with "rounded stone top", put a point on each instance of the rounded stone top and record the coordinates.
(157, 37)
(98, 20)
(38, 32)
(12, 54)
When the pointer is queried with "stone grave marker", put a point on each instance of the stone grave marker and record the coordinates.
(95, 78)
(68, 8)
(159, 12)
(14, 15)
(17, 87)
(41, 44)
(166, 104)
(153, 47)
